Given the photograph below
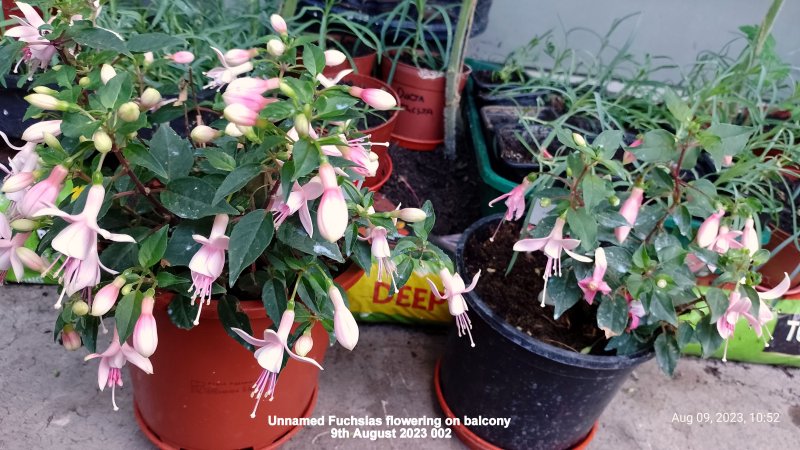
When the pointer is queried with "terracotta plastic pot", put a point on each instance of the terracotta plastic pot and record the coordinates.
(784, 261)
(383, 132)
(199, 394)
(385, 169)
(420, 125)
(362, 65)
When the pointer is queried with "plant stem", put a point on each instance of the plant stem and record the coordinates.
(144, 190)
(452, 96)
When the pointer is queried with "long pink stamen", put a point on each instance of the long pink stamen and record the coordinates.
(464, 326)
(263, 387)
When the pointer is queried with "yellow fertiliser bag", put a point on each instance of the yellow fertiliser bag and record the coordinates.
(375, 301)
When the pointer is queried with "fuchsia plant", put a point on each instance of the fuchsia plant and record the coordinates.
(264, 202)
(638, 262)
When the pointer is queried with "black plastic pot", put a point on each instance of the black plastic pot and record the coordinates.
(13, 107)
(552, 396)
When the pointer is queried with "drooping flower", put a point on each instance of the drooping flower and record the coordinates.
(44, 193)
(726, 239)
(269, 354)
(376, 98)
(240, 115)
(113, 360)
(515, 203)
(77, 243)
(249, 92)
(382, 253)
(207, 264)
(630, 211)
(593, 284)
(70, 338)
(107, 296)
(454, 290)
(552, 245)
(278, 24)
(38, 50)
(145, 333)
(332, 214)
(738, 306)
(9, 243)
(765, 314)
(345, 327)
(635, 312)
(709, 229)
(224, 74)
(750, 239)
(297, 202)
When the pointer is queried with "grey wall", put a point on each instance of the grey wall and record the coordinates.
(674, 28)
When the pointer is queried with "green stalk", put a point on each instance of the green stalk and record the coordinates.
(288, 8)
(766, 27)
(452, 96)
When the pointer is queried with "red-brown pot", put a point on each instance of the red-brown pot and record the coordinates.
(785, 261)
(199, 394)
(363, 65)
(420, 125)
(385, 168)
(383, 132)
(9, 7)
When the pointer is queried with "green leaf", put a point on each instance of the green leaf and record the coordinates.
(119, 256)
(683, 220)
(305, 157)
(732, 140)
(657, 146)
(583, 226)
(75, 125)
(181, 312)
(9, 52)
(249, 238)
(608, 142)
(117, 91)
(232, 317)
(594, 190)
(668, 248)
(219, 159)
(564, 292)
(612, 315)
(166, 279)
(85, 34)
(294, 236)
(188, 198)
(717, 301)
(677, 107)
(708, 336)
(273, 295)
(667, 353)
(404, 270)
(152, 249)
(128, 311)
(362, 255)
(149, 42)
(181, 246)
(236, 180)
(172, 156)
(662, 308)
(313, 59)
(685, 335)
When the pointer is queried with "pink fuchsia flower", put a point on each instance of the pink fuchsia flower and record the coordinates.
(107, 296)
(111, 363)
(77, 243)
(552, 245)
(70, 338)
(376, 98)
(515, 201)
(750, 239)
(297, 202)
(332, 214)
(709, 229)
(44, 193)
(182, 57)
(765, 315)
(330, 82)
(726, 239)
(9, 243)
(240, 114)
(207, 264)
(635, 312)
(269, 354)
(629, 157)
(248, 91)
(36, 132)
(17, 182)
(738, 306)
(224, 74)
(454, 290)
(345, 327)
(238, 56)
(594, 284)
(727, 160)
(334, 58)
(38, 51)
(382, 253)
(145, 332)
(278, 24)
(630, 211)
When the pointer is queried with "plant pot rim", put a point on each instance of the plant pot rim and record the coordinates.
(388, 55)
(530, 343)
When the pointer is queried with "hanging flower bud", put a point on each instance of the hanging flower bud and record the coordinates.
(344, 325)
(334, 58)
(106, 297)
(182, 57)
(30, 259)
(233, 130)
(18, 182)
(376, 98)
(23, 225)
(304, 343)
(45, 90)
(750, 237)
(203, 134)
(47, 102)
(148, 58)
(240, 115)
(278, 24)
(579, 140)
(145, 334)
(238, 56)
(709, 229)
(36, 132)
(128, 112)
(275, 47)
(43, 194)
(107, 73)
(80, 308)
(630, 211)
(332, 213)
(70, 338)
(102, 141)
(150, 99)
(410, 215)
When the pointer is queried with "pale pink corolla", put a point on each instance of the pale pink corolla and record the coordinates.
(515, 201)
(345, 327)
(36, 132)
(552, 245)
(726, 239)
(248, 91)
(750, 239)
(224, 74)
(738, 306)
(106, 297)
(630, 211)
(629, 157)
(269, 354)
(44, 193)
(9, 243)
(635, 313)
(77, 243)
(376, 98)
(334, 58)
(709, 229)
(382, 253)
(278, 24)
(765, 314)
(240, 115)
(111, 363)
(207, 264)
(332, 214)
(330, 82)
(17, 182)
(181, 57)
(238, 56)
(297, 202)
(727, 160)
(593, 284)
(145, 332)
(38, 51)
(454, 290)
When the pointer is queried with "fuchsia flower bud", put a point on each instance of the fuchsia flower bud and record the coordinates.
(376, 98)
(275, 47)
(344, 325)
(334, 58)
(727, 160)
(304, 343)
(203, 134)
(30, 259)
(238, 56)
(240, 115)
(629, 210)
(707, 233)
(278, 24)
(47, 102)
(18, 182)
(150, 98)
(145, 334)
(411, 215)
(35, 133)
(107, 73)
(182, 57)
(106, 297)
(332, 213)
(248, 91)
(70, 338)
(750, 239)
(43, 194)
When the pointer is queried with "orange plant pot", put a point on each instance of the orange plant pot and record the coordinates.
(199, 394)
(785, 261)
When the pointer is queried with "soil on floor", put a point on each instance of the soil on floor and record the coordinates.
(515, 297)
(451, 185)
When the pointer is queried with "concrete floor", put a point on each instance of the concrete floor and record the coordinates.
(49, 399)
